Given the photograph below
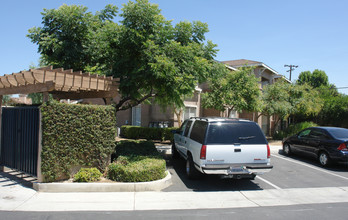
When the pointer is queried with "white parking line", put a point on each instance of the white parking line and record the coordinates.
(310, 166)
(268, 182)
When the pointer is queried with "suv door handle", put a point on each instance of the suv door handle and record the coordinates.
(238, 150)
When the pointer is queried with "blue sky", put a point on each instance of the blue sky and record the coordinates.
(310, 34)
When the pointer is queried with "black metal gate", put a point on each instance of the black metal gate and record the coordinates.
(20, 138)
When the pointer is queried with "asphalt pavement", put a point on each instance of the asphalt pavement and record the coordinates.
(293, 182)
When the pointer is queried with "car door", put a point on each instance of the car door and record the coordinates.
(182, 147)
(178, 136)
(316, 138)
(301, 141)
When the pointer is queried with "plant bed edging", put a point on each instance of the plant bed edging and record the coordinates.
(156, 185)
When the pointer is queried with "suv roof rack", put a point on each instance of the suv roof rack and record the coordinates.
(217, 118)
(202, 118)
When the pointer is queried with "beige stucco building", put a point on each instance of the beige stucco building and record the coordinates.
(151, 115)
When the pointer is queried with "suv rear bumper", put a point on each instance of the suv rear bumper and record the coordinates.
(237, 169)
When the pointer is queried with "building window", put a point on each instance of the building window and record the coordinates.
(233, 114)
(189, 112)
(136, 115)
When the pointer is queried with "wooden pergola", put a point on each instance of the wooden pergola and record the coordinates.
(62, 84)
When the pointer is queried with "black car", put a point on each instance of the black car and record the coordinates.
(327, 144)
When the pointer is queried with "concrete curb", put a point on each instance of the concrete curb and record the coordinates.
(157, 185)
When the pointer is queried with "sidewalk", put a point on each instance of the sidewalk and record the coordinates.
(15, 197)
(16, 194)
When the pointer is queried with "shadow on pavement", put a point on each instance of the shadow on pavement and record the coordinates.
(336, 167)
(13, 177)
(205, 183)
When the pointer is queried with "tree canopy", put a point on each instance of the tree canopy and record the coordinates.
(151, 56)
(316, 79)
(238, 90)
(284, 99)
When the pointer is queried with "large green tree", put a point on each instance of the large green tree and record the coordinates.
(64, 38)
(152, 57)
(238, 90)
(317, 78)
(284, 99)
(334, 105)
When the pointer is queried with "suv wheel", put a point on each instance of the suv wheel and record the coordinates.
(191, 171)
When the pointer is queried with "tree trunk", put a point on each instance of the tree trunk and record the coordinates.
(229, 110)
(274, 126)
(178, 113)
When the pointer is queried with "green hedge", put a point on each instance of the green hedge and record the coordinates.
(136, 161)
(135, 148)
(75, 135)
(293, 129)
(136, 132)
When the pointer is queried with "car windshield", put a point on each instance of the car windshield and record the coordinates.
(235, 133)
(339, 133)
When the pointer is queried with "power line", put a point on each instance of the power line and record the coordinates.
(292, 67)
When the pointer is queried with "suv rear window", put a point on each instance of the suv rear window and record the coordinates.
(235, 132)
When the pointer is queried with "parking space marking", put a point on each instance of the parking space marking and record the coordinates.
(268, 182)
(310, 166)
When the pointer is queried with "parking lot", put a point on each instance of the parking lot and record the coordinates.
(288, 172)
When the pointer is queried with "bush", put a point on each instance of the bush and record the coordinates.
(136, 132)
(75, 135)
(136, 161)
(293, 129)
(137, 169)
(135, 148)
(88, 175)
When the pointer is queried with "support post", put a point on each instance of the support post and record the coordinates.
(39, 174)
(1, 166)
(45, 97)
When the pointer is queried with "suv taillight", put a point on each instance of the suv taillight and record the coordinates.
(342, 147)
(203, 152)
(268, 151)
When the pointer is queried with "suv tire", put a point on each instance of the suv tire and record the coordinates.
(191, 171)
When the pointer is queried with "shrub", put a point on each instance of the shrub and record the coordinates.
(293, 129)
(135, 148)
(136, 132)
(137, 169)
(88, 175)
(75, 135)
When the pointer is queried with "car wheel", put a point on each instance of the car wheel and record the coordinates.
(324, 159)
(287, 149)
(175, 153)
(191, 171)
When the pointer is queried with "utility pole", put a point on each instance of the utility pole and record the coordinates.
(292, 67)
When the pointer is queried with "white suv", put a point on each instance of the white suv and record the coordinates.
(230, 147)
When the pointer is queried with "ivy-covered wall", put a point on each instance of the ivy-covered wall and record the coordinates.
(75, 135)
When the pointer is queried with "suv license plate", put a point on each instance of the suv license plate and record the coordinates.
(235, 170)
